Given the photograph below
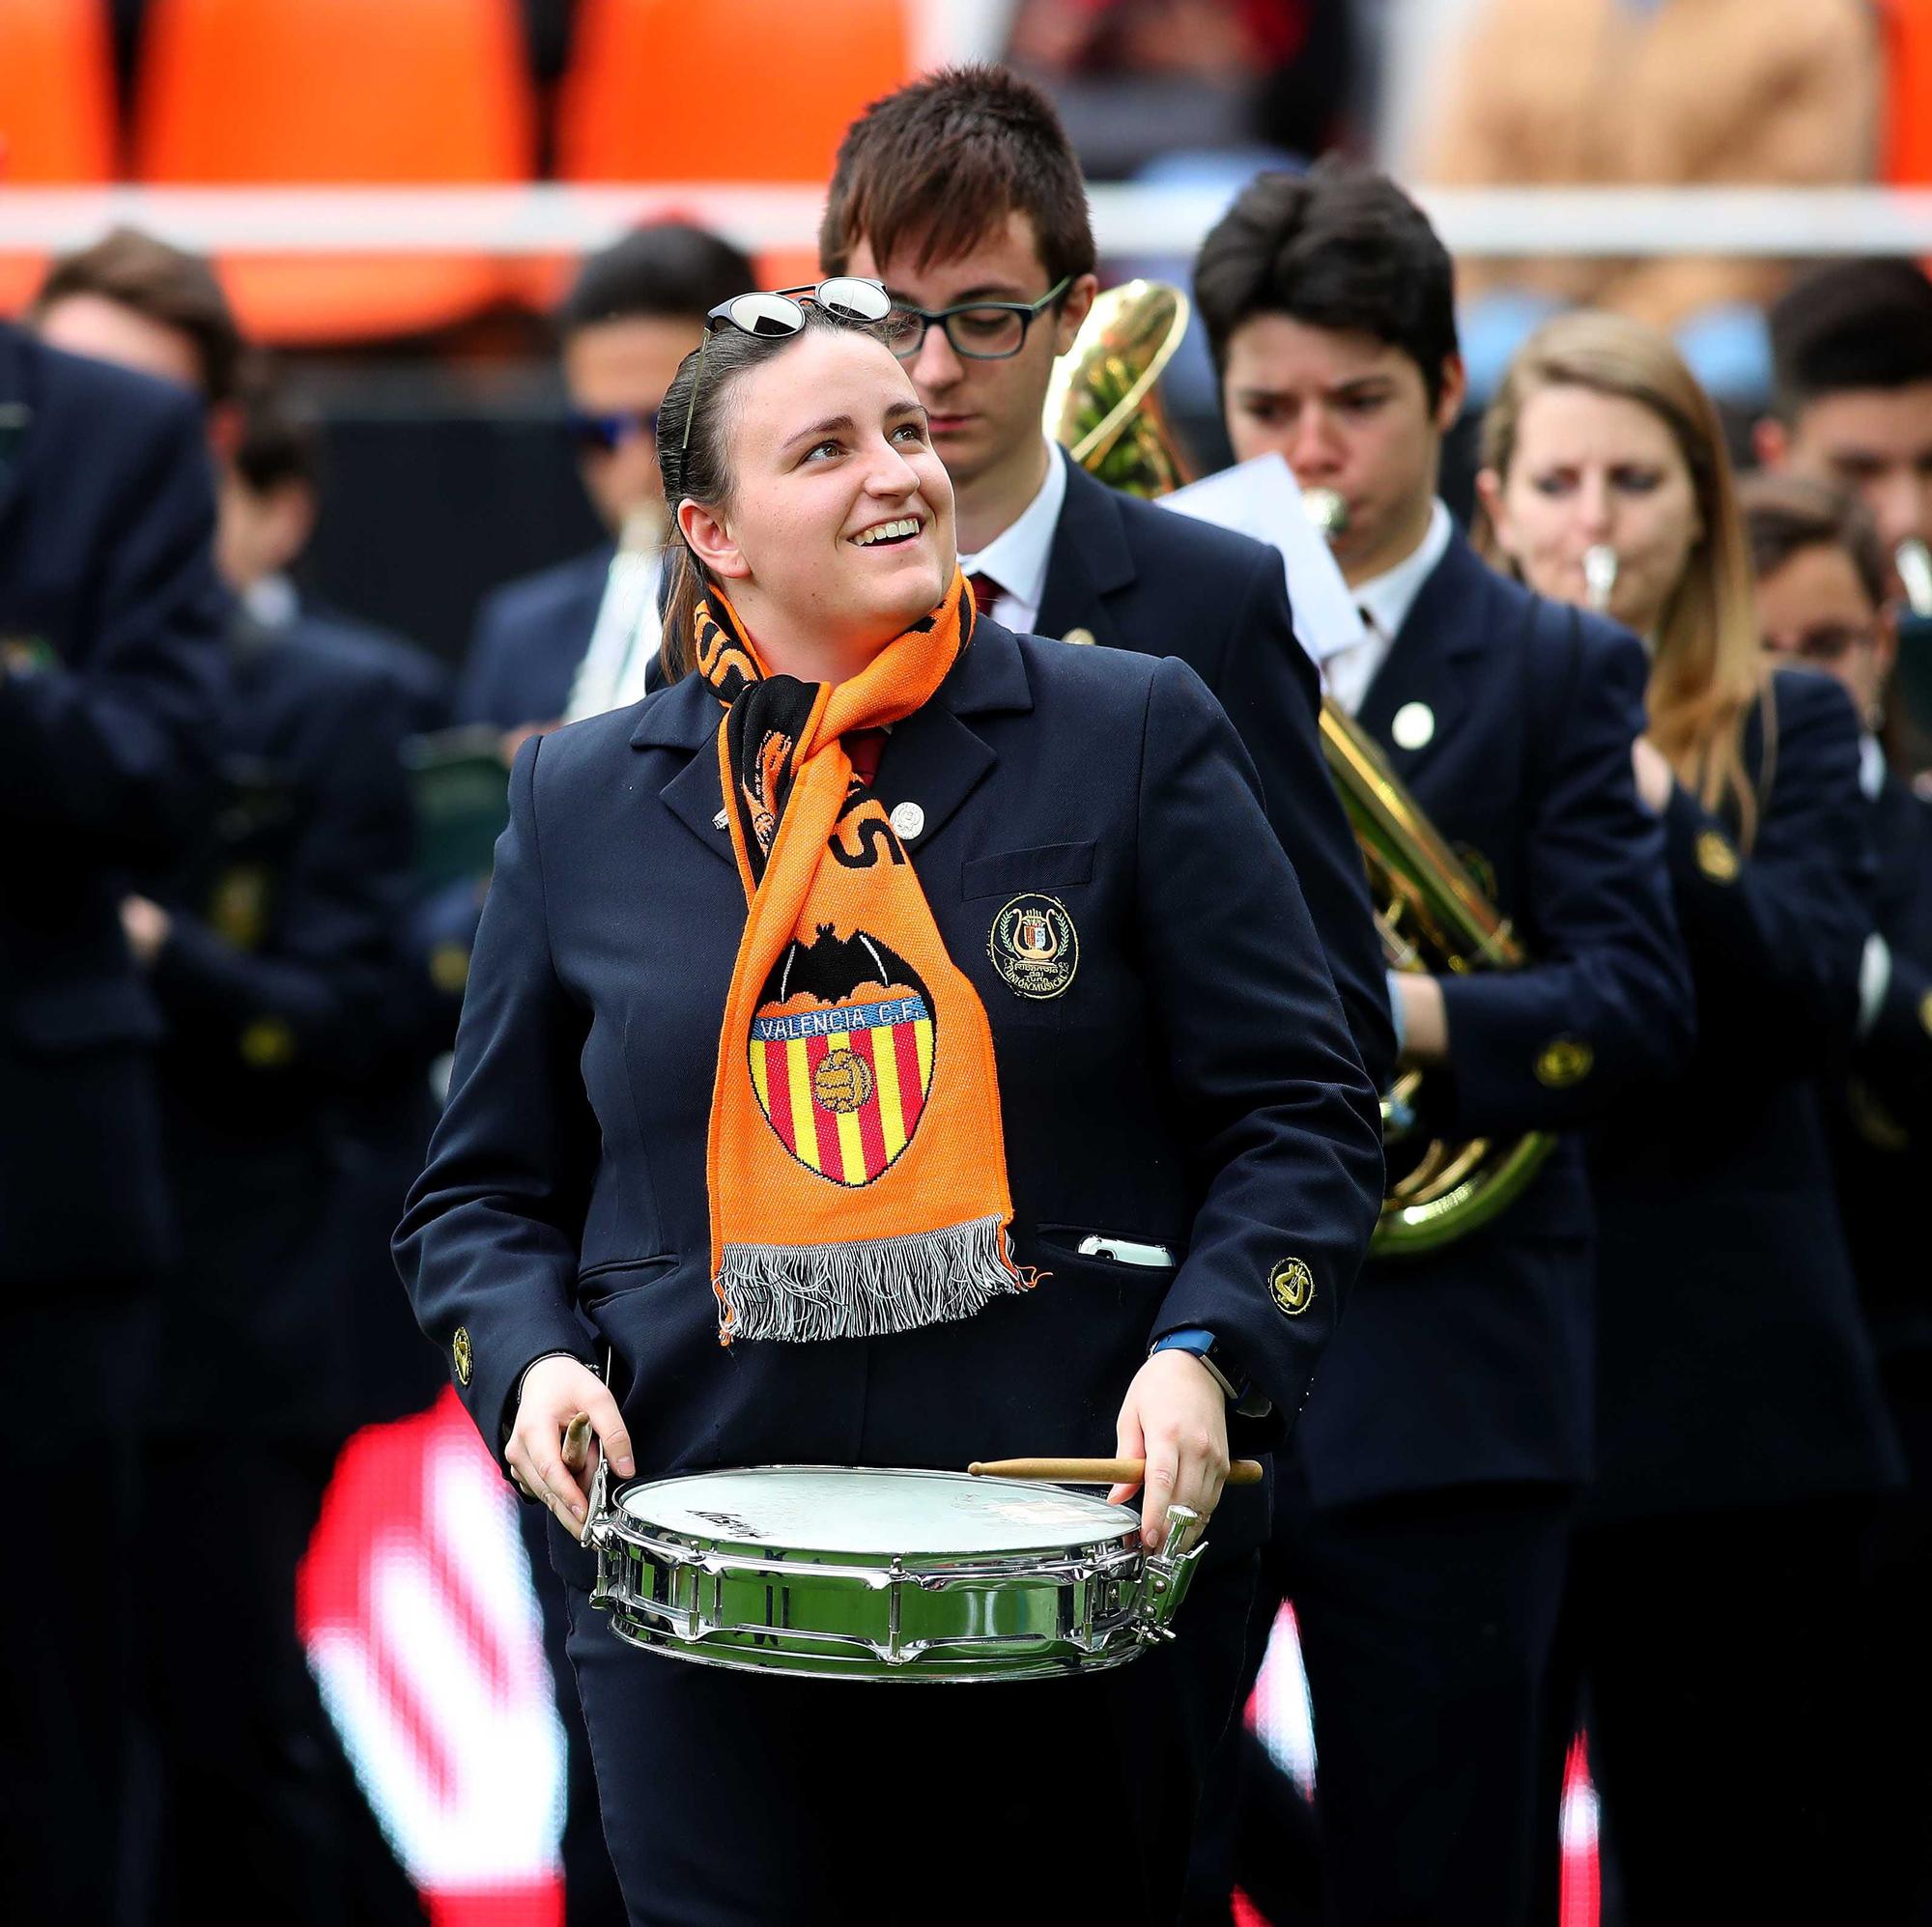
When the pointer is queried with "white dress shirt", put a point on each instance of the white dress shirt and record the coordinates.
(1017, 557)
(625, 640)
(1385, 601)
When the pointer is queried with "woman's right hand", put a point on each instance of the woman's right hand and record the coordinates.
(555, 1390)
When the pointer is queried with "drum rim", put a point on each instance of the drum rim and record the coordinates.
(650, 1534)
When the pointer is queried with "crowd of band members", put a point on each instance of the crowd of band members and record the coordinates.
(1648, 1452)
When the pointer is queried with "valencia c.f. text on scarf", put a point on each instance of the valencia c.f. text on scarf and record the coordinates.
(857, 1166)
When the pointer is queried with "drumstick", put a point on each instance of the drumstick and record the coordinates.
(577, 1443)
(1096, 1471)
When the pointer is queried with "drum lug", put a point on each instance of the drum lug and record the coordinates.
(1167, 1574)
(598, 1535)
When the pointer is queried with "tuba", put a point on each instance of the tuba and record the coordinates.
(1432, 915)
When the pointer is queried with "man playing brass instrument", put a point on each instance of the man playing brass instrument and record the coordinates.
(1422, 1509)
(1852, 402)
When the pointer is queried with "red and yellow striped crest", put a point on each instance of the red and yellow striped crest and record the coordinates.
(843, 1086)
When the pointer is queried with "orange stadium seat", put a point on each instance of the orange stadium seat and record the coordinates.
(339, 93)
(734, 91)
(56, 111)
(1907, 152)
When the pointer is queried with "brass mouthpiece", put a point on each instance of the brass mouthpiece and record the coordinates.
(1914, 563)
(1327, 511)
(1600, 575)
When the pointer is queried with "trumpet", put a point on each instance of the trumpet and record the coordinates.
(1432, 915)
(1600, 576)
(1913, 562)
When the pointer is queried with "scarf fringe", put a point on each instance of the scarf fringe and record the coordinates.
(868, 1288)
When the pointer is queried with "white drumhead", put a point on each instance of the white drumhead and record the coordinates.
(865, 1511)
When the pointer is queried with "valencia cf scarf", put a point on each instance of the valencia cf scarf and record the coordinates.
(857, 1166)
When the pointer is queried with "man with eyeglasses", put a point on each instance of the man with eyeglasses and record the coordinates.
(632, 314)
(962, 195)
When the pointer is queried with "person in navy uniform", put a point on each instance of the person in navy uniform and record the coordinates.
(1422, 1513)
(962, 193)
(1742, 1436)
(111, 676)
(270, 500)
(636, 309)
(1851, 347)
(1824, 602)
(269, 948)
(272, 488)
(1179, 1078)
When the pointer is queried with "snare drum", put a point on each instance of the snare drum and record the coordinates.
(884, 1575)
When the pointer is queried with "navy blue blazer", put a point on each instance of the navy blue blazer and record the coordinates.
(530, 636)
(1473, 1365)
(425, 684)
(273, 982)
(1137, 577)
(1194, 1087)
(111, 674)
(1734, 1369)
(1880, 1117)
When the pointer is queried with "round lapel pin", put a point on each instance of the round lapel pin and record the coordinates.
(908, 819)
(1414, 726)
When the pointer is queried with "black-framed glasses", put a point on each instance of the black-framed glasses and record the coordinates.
(608, 431)
(980, 330)
(846, 297)
(1829, 643)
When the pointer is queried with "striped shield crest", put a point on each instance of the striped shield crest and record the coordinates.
(842, 1079)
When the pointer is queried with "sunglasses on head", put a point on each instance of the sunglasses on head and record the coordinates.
(608, 433)
(845, 298)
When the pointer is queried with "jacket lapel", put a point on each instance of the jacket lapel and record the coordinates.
(1424, 681)
(935, 759)
(686, 718)
(1089, 561)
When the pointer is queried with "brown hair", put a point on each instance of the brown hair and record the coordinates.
(1787, 514)
(939, 165)
(162, 284)
(1708, 670)
(697, 466)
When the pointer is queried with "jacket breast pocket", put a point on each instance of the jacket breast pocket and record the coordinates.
(1050, 866)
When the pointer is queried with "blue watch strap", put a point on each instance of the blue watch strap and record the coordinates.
(1190, 1338)
(1201, 1343)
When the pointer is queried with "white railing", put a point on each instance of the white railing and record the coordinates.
(551, 220)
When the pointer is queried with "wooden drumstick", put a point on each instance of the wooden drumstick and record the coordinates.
(577, 1443)
(1096, 1471)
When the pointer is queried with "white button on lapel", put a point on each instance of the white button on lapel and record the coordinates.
(1413, 725)
(908, 819)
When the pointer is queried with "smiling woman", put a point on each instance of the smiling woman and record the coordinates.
(837, 1133)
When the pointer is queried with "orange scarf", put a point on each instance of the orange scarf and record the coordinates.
(856, 1168)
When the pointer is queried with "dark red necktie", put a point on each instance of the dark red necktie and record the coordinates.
(865, 747)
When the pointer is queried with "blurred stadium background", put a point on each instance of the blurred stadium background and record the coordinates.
(396, 192)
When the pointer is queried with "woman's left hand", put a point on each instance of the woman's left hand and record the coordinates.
(1176, 1417)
